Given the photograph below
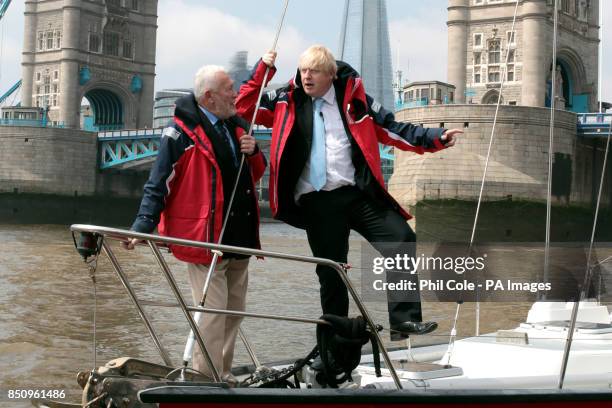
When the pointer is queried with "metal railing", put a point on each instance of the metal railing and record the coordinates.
(118, 147)
(425, 101)
(260, 133)
(129, 133)
(91, 127)
(412, 103)
(594, 124)
(153, 242)
(31, 123)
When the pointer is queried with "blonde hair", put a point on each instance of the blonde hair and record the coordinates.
(318, 57)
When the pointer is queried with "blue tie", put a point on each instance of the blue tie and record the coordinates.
(222, 130)
(318, 166)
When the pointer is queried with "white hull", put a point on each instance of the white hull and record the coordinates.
(528, 357)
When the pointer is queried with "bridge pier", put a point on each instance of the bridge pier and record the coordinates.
(518, 166)
(64, 162)
(69, 162)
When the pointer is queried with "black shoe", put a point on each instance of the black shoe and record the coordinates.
(408, 328)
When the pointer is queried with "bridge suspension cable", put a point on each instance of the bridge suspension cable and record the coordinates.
(3, 7)
(4, 4)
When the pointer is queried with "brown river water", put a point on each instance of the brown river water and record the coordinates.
(46, 308)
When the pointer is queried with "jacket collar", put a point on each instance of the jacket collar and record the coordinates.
(187, 110)
(211, 116)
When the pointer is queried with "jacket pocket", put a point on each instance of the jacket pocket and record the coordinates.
(189, 211)
(188, 221)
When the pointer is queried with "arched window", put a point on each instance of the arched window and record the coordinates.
(491, 97)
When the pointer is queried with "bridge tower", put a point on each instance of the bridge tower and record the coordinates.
(479, 35)
(102, 50)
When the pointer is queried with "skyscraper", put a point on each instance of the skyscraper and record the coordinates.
(238, 70)
(364, 43)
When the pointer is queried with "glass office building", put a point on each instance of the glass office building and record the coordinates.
(163, 108)
(364, 44)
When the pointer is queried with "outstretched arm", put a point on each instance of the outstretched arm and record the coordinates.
(406, 136)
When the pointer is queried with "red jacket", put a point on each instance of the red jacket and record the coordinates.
(365, 120)
(184, 193)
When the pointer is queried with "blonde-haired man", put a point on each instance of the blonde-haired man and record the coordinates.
(325, 173)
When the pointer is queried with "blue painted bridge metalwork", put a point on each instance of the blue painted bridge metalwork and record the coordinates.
(117, 148)
(594, 124)
(11, 91)
(120, 147)
(123, 146)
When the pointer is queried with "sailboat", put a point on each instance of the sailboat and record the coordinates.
(559, 356)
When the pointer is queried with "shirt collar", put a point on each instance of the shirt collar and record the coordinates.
(330, 95)
(211, 116)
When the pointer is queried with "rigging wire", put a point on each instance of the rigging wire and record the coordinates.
(491, 138)
(589, 268)
(553, 97)
(600, 65)
(587, 274)
(191, 339)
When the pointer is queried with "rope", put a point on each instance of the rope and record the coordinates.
(600, 65)
(451, 341)
(191, 339)
(271, 378)
(550, 143)
(589, 269)
(98, 398)
(95, 347)
(252, 126)
(484, 174)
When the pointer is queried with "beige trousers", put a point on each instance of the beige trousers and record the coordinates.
(227, 290)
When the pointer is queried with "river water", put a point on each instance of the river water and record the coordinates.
(46, 307)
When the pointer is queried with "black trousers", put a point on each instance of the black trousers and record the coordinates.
(330, 216)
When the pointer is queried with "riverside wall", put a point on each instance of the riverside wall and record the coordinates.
(518, 165)
(60, 162)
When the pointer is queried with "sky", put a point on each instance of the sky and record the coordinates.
(193, 33)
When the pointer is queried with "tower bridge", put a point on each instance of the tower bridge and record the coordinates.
(104, 52)
(129, 148)
(101, 51)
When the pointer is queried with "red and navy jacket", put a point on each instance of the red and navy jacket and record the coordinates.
(288, 110)
(186, 193)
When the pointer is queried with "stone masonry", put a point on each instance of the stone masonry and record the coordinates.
(61, 162)
(518, 165)
(47, 160)
(73, 48)
(477, 27)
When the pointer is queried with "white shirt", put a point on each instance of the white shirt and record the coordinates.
(340, 170)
